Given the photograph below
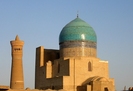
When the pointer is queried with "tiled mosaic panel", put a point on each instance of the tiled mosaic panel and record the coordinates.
(78, 51)
(71, 44)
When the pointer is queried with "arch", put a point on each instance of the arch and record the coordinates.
(89, 66)
(106, 89)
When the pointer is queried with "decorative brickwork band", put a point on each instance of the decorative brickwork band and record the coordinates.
(78, 48)
(71, 44)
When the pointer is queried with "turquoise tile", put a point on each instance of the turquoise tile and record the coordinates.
(77, 30)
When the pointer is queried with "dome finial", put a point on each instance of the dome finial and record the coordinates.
(77, 14)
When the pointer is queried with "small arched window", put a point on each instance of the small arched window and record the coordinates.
(89, 66)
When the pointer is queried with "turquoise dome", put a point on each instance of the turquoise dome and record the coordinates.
(77, 30)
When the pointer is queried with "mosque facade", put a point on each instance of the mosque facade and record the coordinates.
(75, 66)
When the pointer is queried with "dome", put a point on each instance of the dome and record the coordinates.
(77, 30)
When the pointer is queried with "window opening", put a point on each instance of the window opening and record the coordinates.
(58, 68)
(89, 66)
(106, 89)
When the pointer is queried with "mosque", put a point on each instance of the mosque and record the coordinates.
(74, 67)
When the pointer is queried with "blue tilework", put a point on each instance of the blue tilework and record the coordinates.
(77, 30)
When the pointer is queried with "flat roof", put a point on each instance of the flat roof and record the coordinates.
(3, 87)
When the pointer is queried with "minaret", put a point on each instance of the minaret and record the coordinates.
(17, 79)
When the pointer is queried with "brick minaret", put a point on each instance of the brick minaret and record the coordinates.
(17, 79)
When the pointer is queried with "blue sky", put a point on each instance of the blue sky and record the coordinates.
(39, 22)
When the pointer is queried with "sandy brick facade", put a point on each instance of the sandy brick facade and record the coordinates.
(72, 73)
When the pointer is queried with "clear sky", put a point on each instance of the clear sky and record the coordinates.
(39, 22)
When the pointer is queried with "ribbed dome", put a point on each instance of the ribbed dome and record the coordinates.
(77, 30)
